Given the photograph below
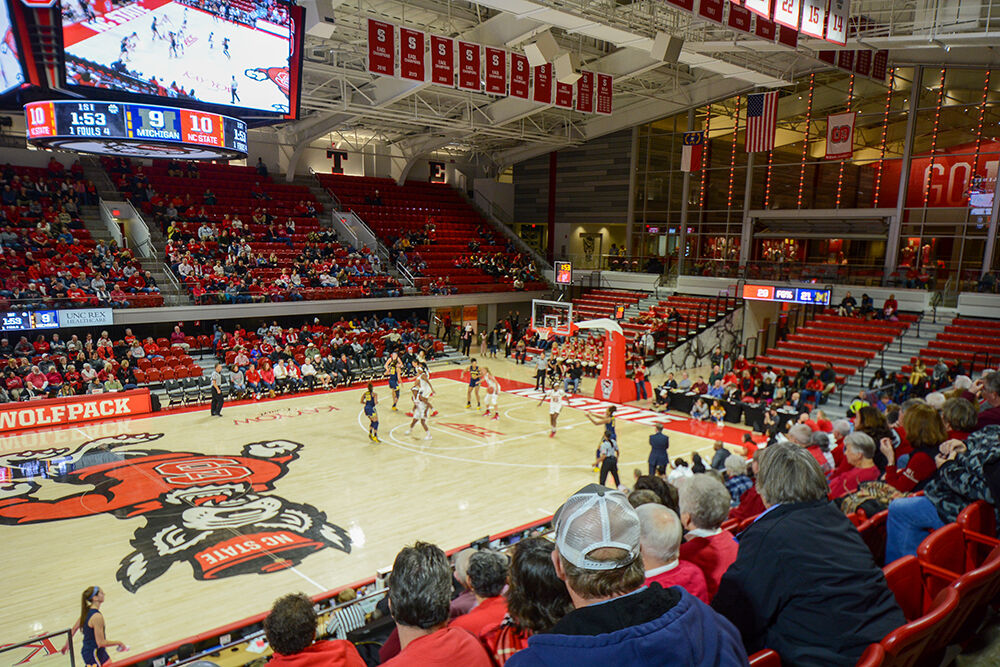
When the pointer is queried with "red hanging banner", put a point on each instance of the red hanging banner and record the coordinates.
(469, 66)
(520, 76)
(443, 61)
(604, 94)
(787, 36)
(411, 55)
(845, 60)
(880, 65)
(381, 48)
(543, 84)
(564, 95)
(585, 92)
(764, 28)
(496, 71)
(739, 17)
(711, 10)
(863, 62)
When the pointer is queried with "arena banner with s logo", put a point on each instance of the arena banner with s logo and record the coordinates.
(543, 84)
(470, 66)
(605, 86)
(520, 76)
(381, 48)
(443, 61)
(840, 136)
(496, 71)
(73, 410)
(564, 95)
(585, 92)
(411, 55)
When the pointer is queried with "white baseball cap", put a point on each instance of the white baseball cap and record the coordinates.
(596, 517)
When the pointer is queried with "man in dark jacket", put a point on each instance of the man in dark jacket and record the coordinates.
(804, 583)
(617, 620)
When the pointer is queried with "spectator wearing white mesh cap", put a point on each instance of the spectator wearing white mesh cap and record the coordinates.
(616, 619)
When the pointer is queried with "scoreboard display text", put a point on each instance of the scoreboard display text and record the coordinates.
(806, 295)
(112, 121)
(32, 319)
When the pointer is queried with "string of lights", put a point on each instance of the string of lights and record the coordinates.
(805, 139)
(840, 173)
(934, 136)
(882, 141)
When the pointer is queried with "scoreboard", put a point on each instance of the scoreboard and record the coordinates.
(136, 130)
(806, 295)
(30, 319)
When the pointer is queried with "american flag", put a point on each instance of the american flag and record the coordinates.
(762, 119)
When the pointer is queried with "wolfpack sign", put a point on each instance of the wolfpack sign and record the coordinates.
(214, 511)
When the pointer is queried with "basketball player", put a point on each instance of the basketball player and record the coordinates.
(492, 393)
(608, 421)
(173, 44)
(393, 370)
(211, 38)
(426, 389)
(91, 622)
(557, 399)
(225, 47)
(234, 98)
(123, 55)
(474, 373)
(370, 399)
(156, 32)
(420, 407)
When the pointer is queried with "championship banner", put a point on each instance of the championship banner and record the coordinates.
(788, 37)
(765, 28)
(836, 25)
(840, 136)
(520, 76)
(691, 151)
(564, 95)
(73, 409)
(711, 10)
(739, 18)
(786, 13)
(605, 92)
(880, 65)
(585, 92)
(411, 55)
(443, 61)
(845, 60)
(543, 84)
(469, 66)
(381, 48)
(496, 71)
(863, 62)
(813, 18)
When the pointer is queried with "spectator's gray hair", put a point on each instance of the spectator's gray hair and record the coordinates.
(992, 382)
(800, 434)
(862, 443)
(706, 499)
(820, 439)
(935, 399)
(842, 427)
(659, 532)
(736, 465)
(963, 382)
(789, 474)
(960, 414)
(461, 562)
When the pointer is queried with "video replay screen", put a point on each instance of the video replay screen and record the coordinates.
(11, 72)
(236, 54)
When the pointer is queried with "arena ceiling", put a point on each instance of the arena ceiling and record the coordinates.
(342, 103)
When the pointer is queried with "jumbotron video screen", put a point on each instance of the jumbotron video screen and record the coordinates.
(11, 72)
(237, 53)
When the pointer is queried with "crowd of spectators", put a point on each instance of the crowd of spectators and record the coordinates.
(49, 259)
(502, 266)
(50, 367)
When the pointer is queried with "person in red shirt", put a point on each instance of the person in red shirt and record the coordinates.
(704, 505)
(751, 504)
(486, 576)
(252, 376)
(925, 432)
(419, 595)
(290, 629)
(266, 377)
(35, 382)
(659, 545)
(859, 450)
(14, 385)
(41, 345)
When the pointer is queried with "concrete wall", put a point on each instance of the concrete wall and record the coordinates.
(974, 304)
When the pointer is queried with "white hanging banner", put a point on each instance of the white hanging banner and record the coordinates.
(813, 18)
(836, 25)
(840, 136)
(786, 13)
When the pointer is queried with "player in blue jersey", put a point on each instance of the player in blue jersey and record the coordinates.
(608, 421)
(475, 373)
(394, 371)
(91, 622)
(370, 399)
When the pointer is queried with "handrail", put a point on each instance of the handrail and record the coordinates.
(34, 641)
(172, 278)
(380, 249)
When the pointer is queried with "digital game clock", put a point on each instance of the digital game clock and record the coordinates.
(135, 130)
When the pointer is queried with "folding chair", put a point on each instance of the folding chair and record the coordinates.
(175, 391)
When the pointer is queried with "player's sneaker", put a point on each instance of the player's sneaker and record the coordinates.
(468, 405)
(375, 439)
(395, 409)
(434, 414)
(596, 469)
(409, 431)
(428, 437)
(487, 413)
(552, 434)
(409, 414)
(496, 415)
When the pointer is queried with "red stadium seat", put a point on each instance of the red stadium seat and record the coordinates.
(153, 375)
(140, 376)
(167, 373)
(872, 657)
(906, 646)
(873, 533)
(980, 519)
(766, 658)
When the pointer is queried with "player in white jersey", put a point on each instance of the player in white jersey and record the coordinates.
(420, 409)
(557, 399)
(492, 393)
(426, 390)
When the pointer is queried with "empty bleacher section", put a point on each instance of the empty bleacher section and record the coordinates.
(973, 342)
(435, 234)
(235, 236)
(602, 303)
(672, 320)
(847, 342)
(50, 259)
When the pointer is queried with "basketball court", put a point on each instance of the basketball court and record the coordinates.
(283, 495)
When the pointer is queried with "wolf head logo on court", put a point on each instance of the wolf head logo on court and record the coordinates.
(212, 510)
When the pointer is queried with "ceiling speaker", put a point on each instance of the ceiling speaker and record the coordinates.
(666, 48)
(567, 67)
(543, 50)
